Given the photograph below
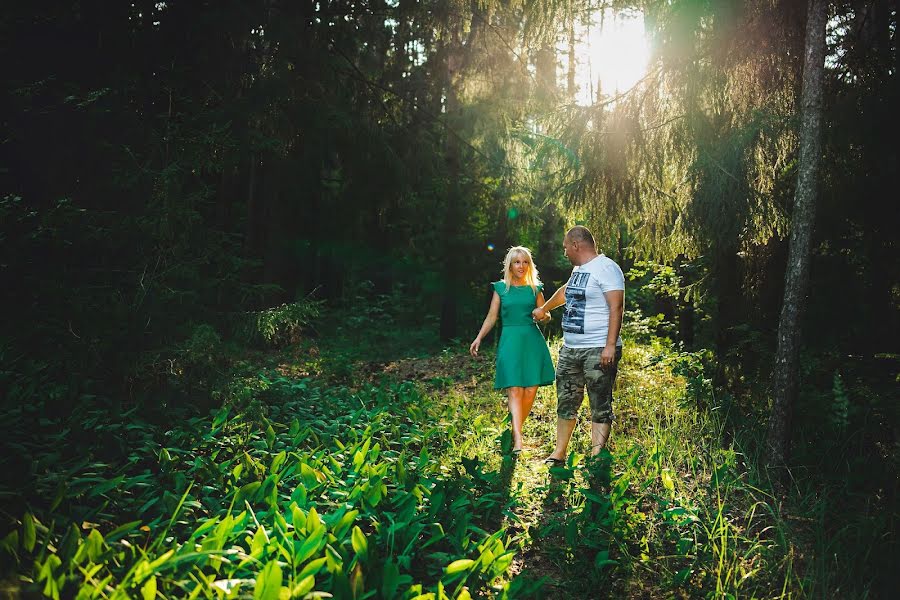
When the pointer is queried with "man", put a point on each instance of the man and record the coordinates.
(594, 297)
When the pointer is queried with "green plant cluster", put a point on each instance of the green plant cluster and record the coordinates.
(301, 492)
(282, 325)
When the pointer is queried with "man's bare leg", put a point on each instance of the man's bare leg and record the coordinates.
(599, 437)
(564, 429)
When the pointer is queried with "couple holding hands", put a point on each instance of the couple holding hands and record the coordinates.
(594, 299)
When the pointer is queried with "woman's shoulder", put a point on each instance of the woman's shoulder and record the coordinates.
(499, 286)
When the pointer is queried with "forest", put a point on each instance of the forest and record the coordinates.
(245, 245)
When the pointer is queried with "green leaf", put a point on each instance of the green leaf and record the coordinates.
(312, 567)
(305, 586)
(390, 580)
(148, 590)
(667, 481)
(310, 546)
(10, 543)
(360, 544)
(459, 565)
(220, 418)
(247, 492)
(268, 583)
(278, 461)
(312, 520)
(602, 560)
(29, 534)
(120, 531)
(258, 544)
(340, 528)
(270, 437)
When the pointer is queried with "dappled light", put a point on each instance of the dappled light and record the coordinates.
(449, 300)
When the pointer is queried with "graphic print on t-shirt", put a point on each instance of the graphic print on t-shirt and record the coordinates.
(576, 290)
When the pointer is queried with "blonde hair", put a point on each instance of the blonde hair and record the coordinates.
(531, 275)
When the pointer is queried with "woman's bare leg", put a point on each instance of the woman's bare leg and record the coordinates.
(528, 396)
(517, 413)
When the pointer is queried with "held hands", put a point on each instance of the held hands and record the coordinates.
(539, 314)
(473, 347)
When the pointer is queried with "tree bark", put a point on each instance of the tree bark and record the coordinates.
(786, 372)
(450, 229)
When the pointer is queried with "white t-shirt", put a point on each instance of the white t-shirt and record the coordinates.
(585, 322)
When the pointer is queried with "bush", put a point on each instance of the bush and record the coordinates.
(281, 325)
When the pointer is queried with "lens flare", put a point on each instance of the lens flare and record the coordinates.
(490, 247)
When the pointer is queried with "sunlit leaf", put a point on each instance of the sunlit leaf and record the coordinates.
(459, 565)
(268, 583)
(359, 542)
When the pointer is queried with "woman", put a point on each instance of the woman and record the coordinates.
(523, 360)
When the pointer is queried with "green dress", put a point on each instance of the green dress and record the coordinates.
(523, 358)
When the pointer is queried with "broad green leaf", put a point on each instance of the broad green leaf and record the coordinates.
(310, 546)
(10, 543)
(459, 565)
(247, 492)
(390, 580)
(29, 534)
(308, 475)
(313, 521)
(667, 481)
(148, 590)
(305, 586)
(312, 567)
(298, 517)
(278, 461)
(602, 560)
(220, 418)
(270, 437)
(340, 528)
(92, 547)
(258, 544)
(268, 583)
(51, 585)
(359, 542)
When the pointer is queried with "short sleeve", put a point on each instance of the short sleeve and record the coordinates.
(540, 288)
(499, 287)
(611, 278)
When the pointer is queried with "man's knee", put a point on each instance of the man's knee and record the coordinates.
(569, 396)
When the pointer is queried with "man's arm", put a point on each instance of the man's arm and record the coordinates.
(616, 301)
(557, 299)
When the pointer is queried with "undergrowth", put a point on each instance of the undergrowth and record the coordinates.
(334, 470)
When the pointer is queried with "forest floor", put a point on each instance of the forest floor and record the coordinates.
(671, 509)
(380, 467)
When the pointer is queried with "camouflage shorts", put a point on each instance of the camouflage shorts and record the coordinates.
(578, 368)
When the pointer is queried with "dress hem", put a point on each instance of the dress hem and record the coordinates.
(551, 382)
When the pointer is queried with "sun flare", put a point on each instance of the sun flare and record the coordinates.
(611, 55)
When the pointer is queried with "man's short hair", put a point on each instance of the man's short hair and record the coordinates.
(581, 234)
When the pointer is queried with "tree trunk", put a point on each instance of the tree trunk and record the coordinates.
(786, 372)
(571, 90)
(450, 229)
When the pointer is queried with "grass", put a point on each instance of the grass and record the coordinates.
(377, 475)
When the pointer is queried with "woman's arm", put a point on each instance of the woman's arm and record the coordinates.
(539, 302)
(489, 321)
